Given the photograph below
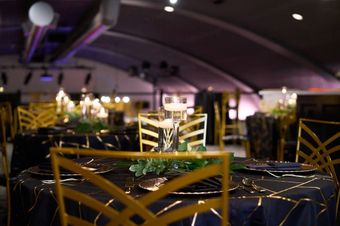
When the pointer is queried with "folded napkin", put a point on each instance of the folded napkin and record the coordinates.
(275, 165)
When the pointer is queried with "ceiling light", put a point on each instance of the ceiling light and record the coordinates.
(2, 89)
(117, 99)
(169, 9)
(126, 99)
(46, 77)
(105, 99)
(83, 90)
(297, 16)
(41, 14)
(173, 1)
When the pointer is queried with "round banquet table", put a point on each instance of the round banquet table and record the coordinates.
(32, 148)
(286, 201)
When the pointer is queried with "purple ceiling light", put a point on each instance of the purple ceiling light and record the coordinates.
(41, 15)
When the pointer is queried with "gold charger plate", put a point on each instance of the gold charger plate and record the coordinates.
(95, 168)
(154, 184)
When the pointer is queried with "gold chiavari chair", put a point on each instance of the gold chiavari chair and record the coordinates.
(221, 137)
(6, 107)
(42, 106)
(319, 144)
(230, 126)
(138, 206)
(148, 130)
(32, 120)
(5, 178)
(193, 130)
(284, 122)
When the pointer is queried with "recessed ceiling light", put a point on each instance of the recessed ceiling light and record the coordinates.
(173, 1)
(297, 16)
(169, 9)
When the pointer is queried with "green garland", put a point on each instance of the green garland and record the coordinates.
(161, 166)
(90, 126)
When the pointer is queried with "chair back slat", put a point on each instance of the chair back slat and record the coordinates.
(318, 143)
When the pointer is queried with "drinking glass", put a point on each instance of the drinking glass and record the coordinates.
(176, 109)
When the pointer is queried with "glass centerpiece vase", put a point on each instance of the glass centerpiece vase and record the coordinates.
(175, 109)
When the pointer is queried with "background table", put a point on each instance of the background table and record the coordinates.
(287, 201)
(32, 148)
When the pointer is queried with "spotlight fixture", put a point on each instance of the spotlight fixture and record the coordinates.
(173, 70)
(46, 77)
(4, 78)
(28, 78)
(133, 70)
(88, 78)
(60, 78)
(163, 65)
(146, 65)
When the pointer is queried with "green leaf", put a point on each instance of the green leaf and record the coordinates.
(236, 166)
(201, 148)
(183, 146)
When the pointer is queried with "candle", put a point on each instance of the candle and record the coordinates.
(175, 106)
(166, 124)
(102, 113)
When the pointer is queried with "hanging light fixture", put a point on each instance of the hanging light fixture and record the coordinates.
(46, 77)
(88, 78)
(4, 78)
(60, 78)
(28, 78)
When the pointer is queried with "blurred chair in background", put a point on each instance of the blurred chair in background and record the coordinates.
(128, 209)
(28, 120)
(221, 136)
(230, 103)
(37, 107)
(194, 130)
(285, 121)
(9, 122)
(5, 177)
(319, 144)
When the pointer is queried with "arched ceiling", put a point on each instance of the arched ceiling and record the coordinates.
(235, 43)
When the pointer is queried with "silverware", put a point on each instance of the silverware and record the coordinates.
(62, 181)
(129, 184)
(250, 183)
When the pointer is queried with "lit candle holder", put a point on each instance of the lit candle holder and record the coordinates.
(103, 114)
(166, 124)
(177, 107)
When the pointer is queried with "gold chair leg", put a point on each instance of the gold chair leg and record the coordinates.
(246, 145)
